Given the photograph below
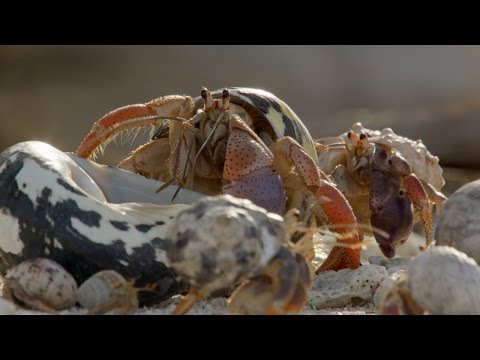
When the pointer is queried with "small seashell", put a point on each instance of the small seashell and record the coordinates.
(41, 284)
(445, 281)
(107, 290)
(458, 224)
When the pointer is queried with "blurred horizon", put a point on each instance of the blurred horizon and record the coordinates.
(56, 93)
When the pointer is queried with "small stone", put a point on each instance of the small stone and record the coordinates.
(346, 287)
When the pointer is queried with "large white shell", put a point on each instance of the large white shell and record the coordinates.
(44, 280)
(458, 225)
(444, 281)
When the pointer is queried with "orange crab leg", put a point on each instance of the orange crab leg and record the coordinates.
(289, 153)
(134, 116)
(255, 172)
(419, 197)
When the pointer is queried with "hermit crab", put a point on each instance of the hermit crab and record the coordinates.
(239, 141)
(382, 174)
(223, 242)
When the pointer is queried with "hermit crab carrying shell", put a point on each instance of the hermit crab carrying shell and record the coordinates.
(243, 142)
(223, 242)
(382, 174)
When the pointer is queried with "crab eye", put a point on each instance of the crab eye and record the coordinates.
(363, 136)
(349, 134)
(225, 93)
(203, 93)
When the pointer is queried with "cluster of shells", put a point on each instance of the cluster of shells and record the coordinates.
(41, 284)
(236, 240)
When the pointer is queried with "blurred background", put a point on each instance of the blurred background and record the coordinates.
(55, 93)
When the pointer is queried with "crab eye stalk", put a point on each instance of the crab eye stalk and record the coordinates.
(225, 99)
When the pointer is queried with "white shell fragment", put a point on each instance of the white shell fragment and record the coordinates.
(40, 282)
(346, 287)
(387, 287)
(222, 240)
(458, 225)
(444, 281)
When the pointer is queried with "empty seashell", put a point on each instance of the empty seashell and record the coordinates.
(41, 284)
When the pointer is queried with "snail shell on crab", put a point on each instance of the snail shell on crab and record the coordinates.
(106, 290)
(42, 281)
(222, 240)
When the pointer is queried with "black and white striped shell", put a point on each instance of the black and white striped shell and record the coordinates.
(104, 291)
(270, 114)
(43, 280)
(85, 216)
(222, 240)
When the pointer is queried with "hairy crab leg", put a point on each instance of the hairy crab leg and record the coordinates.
(134, 116)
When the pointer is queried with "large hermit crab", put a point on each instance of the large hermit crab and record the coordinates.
(382, 175)
(238, 141)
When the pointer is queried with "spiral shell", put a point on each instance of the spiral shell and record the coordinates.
(222, 240)
(105, 291)
(42, 284)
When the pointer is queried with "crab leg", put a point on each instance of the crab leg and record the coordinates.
(134, 116)
(255, 172)
(289, 153)
(417, 194)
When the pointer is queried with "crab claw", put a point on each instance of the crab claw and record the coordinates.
(249, 169)
(280, 289)
(134, 116)
(391, 207)
(391, 212)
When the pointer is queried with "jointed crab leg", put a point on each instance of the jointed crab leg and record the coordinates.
(134, 116)
(255, 172)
